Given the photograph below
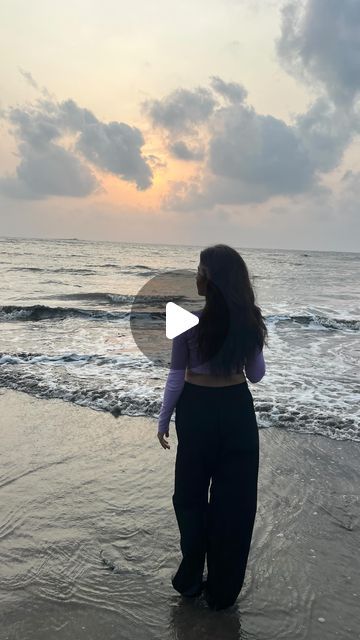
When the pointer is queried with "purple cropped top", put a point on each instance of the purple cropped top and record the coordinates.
(184, 355)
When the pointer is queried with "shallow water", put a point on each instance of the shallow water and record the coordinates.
(75, 482)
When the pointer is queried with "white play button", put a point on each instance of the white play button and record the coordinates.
(178, 320)
(152, 329)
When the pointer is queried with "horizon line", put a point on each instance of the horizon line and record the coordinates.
(173, 244)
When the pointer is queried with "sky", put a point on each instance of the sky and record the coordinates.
(187, 122)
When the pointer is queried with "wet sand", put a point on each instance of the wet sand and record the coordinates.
(75, 482)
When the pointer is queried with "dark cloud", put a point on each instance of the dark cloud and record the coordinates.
(326, 130)
(261, 152)
(70, 116)
(320, 40)
(47, 168)
(116, 147)
(181, 151)
(181, 109)
(34, 125)
(233, 91)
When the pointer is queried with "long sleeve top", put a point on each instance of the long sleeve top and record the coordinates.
(184, 355)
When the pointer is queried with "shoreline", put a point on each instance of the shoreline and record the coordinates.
(74, 478)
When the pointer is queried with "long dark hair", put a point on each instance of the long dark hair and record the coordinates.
(231, 326)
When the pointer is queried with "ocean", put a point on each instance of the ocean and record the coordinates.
(65, 310)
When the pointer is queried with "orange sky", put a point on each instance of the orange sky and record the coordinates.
(109, 59)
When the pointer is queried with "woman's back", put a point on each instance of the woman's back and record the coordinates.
(187, 366)
(186, 356)
(227, 342)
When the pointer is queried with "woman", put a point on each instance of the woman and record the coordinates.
(216, 428)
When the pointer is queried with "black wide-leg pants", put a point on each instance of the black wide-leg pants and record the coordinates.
(218, 441)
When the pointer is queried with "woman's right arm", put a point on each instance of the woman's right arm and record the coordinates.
(173, 388)
(255, 366)
(175, 381)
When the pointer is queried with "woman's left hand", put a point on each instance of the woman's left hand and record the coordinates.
(162, 440)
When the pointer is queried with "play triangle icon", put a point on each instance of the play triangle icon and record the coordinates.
(178, 320)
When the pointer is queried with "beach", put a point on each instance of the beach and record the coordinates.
(89, 538)
(179, 252)
(88, 534)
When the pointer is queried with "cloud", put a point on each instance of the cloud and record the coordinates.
(28, 77)
(48, 171)
(252, 157)
(156, 162)
(260, 151)
(116, 147)
(320, 41)
(181, 151)
(326, 130)
(233, 91)
(47, 168)
(180, 110)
